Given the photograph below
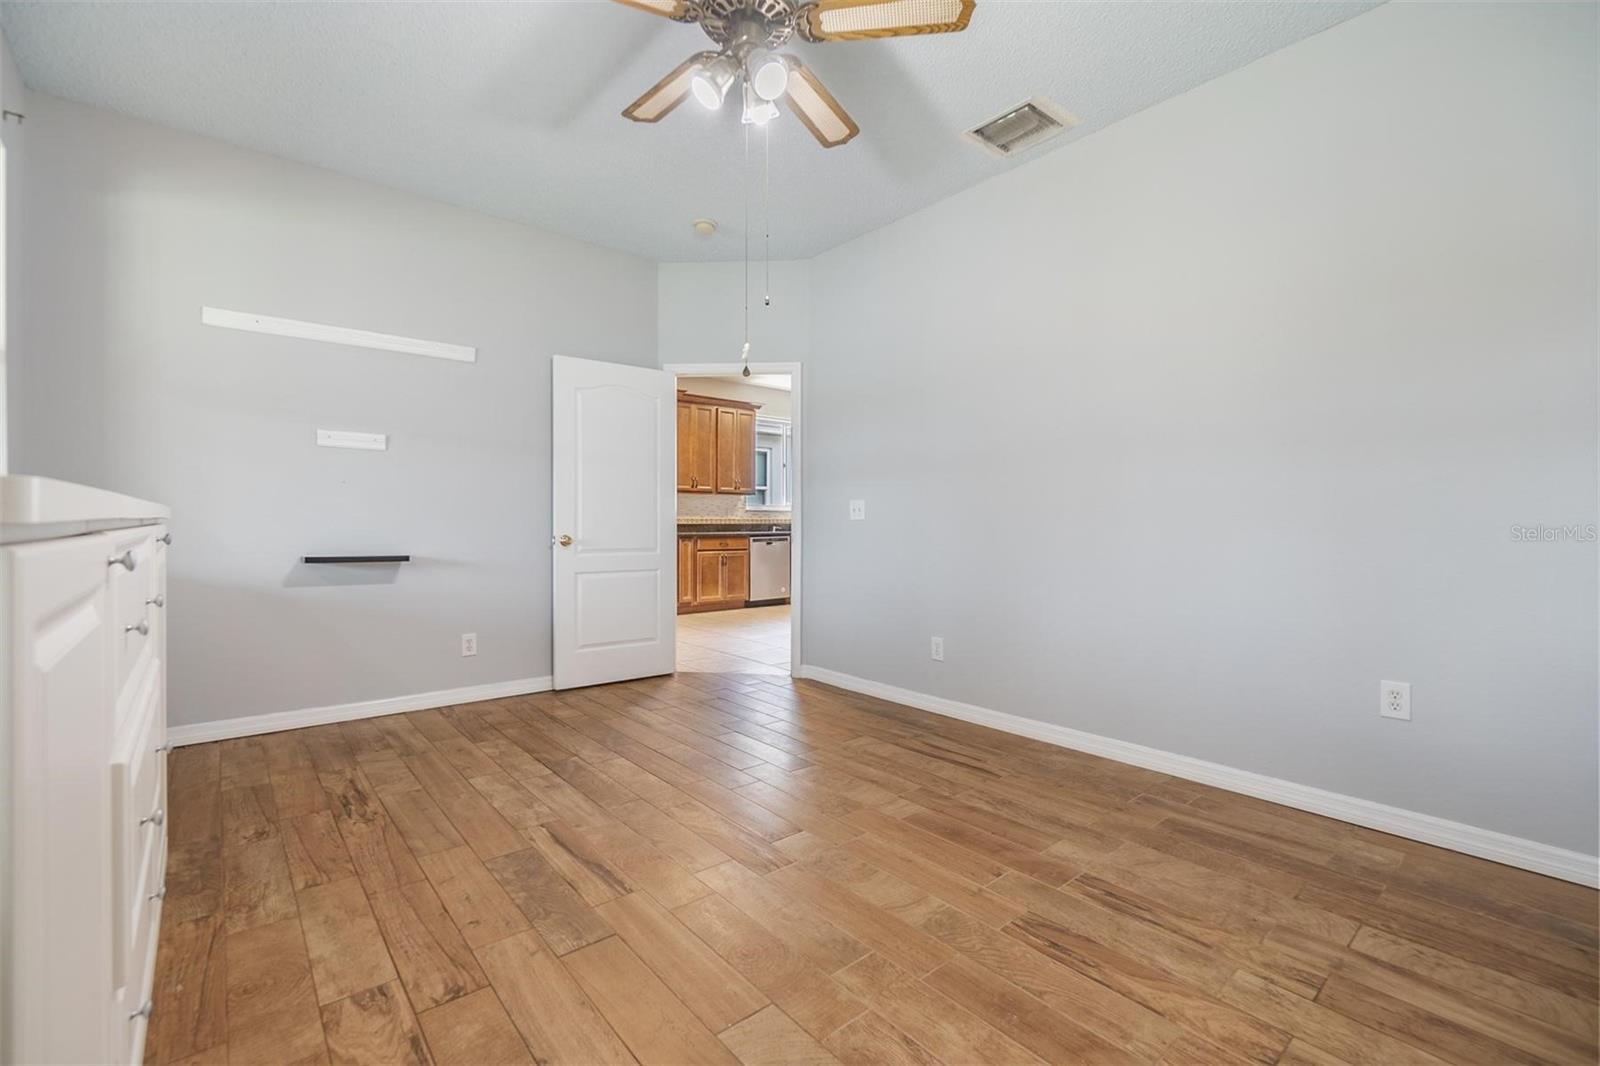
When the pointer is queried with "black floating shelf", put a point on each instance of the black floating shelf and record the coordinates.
(356, 558)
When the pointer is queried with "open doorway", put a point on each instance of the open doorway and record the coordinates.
(738, 519)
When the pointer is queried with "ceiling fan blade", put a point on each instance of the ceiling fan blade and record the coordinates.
(667, 93)
(672, 9)
(851, 20)
(815, 106)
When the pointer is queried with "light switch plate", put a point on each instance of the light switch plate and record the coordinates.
(345, 438)
(858, 510)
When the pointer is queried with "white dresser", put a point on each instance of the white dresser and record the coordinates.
(83, 593)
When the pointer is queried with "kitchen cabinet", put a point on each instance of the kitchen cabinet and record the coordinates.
(713, 572)
(685, 571)
(697, 446)
(716, 444)
(736, 449)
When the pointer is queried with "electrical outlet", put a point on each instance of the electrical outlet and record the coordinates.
(469, 644)
(858, 510)
(937, 651)
(1394, 700)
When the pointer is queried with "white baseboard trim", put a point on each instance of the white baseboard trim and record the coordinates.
(1484, 843)
(227, 728)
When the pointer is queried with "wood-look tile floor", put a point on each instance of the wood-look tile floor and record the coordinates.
(716, 868)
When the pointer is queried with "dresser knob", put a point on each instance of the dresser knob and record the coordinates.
(156, 601)
(144, 1011)
(126, 559)
(143, 628)
(154, 819)
(166, 538)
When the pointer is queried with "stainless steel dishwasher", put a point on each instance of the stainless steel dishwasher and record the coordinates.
(769, 568)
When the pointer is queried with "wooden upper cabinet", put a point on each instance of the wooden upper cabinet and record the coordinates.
(727, 449)
(747, 449)
(697, 447)
(685, 435)
(716, 444)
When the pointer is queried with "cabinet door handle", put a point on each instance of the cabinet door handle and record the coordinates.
(162, 749)
(143, 628)
(144, 1011)
(157, 818)
(160, 893)
(166, 538)
(126, 560)
(156, 601)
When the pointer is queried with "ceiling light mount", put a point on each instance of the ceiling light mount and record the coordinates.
(704, 227)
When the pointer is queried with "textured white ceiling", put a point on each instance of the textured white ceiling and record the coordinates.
(513, 108)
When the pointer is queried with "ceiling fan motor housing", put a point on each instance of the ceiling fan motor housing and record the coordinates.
(747, 23)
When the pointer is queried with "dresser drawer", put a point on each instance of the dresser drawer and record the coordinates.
(134, 630)
(138, 796)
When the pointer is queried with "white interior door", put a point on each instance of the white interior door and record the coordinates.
(615, 537)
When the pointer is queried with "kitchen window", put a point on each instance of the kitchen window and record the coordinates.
(773, 490)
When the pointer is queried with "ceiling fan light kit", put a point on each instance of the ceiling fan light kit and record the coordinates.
(768, 75)
(712, 81)
(747, 33)
(757, 112)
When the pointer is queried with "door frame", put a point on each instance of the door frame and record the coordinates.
(796, 458)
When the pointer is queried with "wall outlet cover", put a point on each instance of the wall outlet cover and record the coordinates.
(858, 510)
(937, 649)
(469, 644)
(1394, 700)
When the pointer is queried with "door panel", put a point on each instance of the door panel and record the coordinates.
(613, 476)
(708, 577)
(702, 447)
(727, 450)
(736, 576)
(58, 596)
(745, 436)
(685, 571)
(685, 447)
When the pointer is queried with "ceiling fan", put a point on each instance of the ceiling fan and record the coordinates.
(748, 34)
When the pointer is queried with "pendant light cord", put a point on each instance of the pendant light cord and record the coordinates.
(766, 212)
(744, 178)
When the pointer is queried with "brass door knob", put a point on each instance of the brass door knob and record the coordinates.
(564, 540)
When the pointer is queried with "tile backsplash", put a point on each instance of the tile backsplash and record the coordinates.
(720, 505)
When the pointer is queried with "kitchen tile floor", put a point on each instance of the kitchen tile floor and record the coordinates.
(754, 640)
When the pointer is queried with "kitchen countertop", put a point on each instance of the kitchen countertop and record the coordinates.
(732, 526)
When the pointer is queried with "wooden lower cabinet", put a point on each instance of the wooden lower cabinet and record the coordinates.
(713, 572)
(685, 571)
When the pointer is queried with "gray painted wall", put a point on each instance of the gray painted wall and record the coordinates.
(1192, 432)
(701, 312)
(13, 134)
(132, 229)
